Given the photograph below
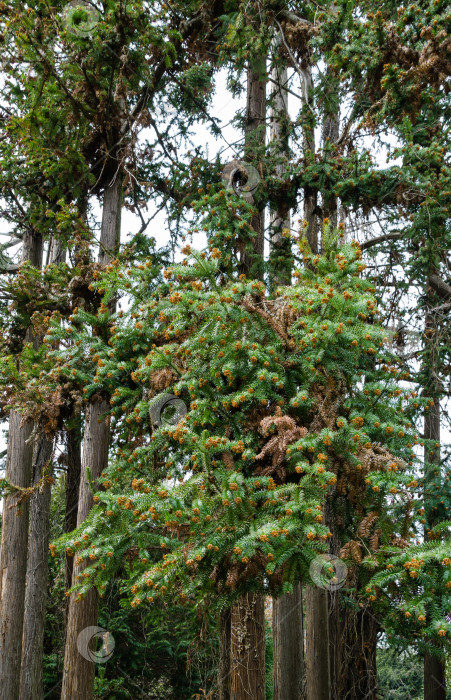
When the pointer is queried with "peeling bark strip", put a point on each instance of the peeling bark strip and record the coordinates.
(31, 679)
(247, 649)
(288, 653)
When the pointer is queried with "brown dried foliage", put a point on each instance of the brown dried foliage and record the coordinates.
(352, 550)
(162, 379)
(276, 447)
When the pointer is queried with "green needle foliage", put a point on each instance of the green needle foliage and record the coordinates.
(288, 398)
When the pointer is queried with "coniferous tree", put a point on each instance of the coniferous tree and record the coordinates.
(389, 70)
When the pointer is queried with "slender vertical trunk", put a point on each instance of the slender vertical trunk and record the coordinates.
(354, 675)
(288, 651)
(280, 246)
(73, 445)
(31, 678)
(247, 655)
(310, 193)
(434, 678)
(247, 646)
(13, 556)
(78, 672)
(111, 221)
(317, 663)
(56, 252)
(288, 625)
(434, 667)
(317, 644)
(224, 655)
(331, 127)
(255, 131)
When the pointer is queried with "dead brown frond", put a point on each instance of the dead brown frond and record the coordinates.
(276, 447)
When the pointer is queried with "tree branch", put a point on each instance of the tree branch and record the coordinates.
(440, 286)
(293, 18)
(381, 239)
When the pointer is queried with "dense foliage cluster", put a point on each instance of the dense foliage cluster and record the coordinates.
(288, 398)
(253, 426)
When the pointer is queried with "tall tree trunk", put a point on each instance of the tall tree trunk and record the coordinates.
(31, 678)
(73, 450)
(254, 132)
(353, 665)
(247, 649)
(310, 193)
(247, 660)
(317, 644)
(317, 664)
(434, 678)
(288, 621)
(434, 667)
(13, 556)
(78, 672)
(331, 128)
(280, 246)
(224, 655)
(288, 650)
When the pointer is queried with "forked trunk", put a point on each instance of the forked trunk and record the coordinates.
(31, 678)
(13, 556)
